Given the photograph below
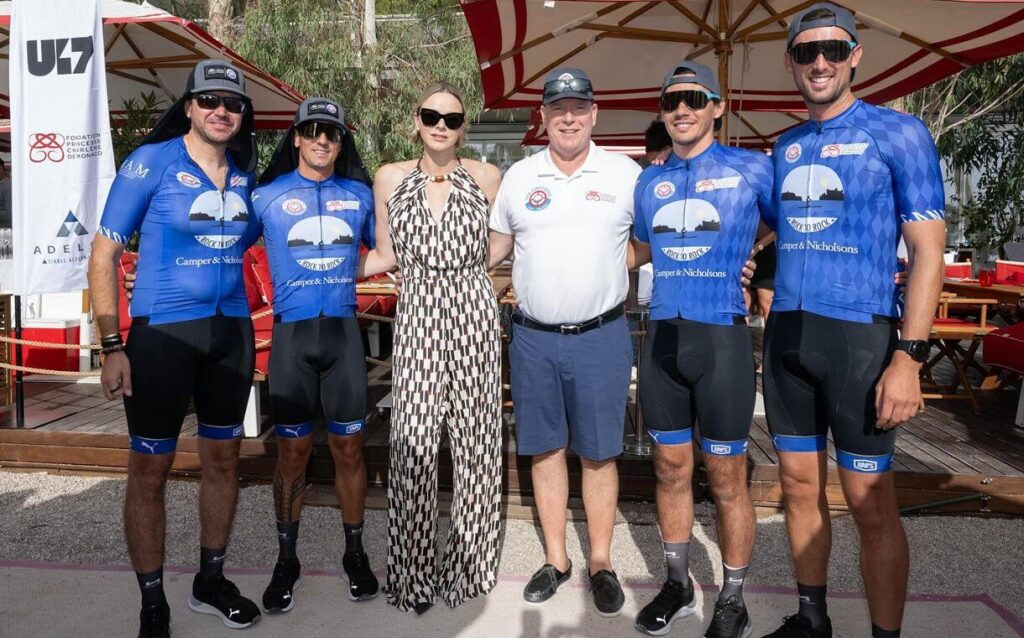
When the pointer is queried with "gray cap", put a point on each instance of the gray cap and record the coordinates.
(320, 109)
(216, 75)
(687, 72)
(583, 90)
(842, 19)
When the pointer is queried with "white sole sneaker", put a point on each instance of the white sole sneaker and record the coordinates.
(200, 607)
(348, 590)
(687, 610)
(291, 603)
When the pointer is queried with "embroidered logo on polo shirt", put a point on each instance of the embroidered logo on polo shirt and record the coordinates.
(664, 190)
(715, 184)
(538, 199)
(597, 196)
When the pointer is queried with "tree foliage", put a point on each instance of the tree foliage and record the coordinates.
(977, 118)
(320, 47)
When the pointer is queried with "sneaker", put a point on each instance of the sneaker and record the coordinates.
(608, 596)
(277, 599)
(796, 626)
(730, 620)
(362, 584)
(155, 621)
(675, 600)
(545, 582)
(219, 597)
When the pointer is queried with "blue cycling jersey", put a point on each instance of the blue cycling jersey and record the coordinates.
(192, 235)
(842, 188)
(312, 231)
(700, 216)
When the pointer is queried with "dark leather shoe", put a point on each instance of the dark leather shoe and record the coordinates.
(544, 583)
(608, 596)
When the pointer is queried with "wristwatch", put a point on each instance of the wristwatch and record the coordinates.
(918, 349)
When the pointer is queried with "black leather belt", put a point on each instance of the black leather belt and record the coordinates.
(570, 328)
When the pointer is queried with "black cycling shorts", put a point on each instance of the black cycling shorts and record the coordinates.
(319, 358)
(208, 360)
(694, 373)
(820, 373)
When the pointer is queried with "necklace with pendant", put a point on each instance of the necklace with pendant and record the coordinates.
(436, 179)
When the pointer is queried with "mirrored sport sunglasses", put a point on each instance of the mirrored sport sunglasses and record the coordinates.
(694, 100)
(313, 131)
(834, 51)
(211, 102)
(430, 117)
(575, 85)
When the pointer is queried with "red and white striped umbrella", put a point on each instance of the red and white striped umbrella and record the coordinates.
(625, 46)
(148, 49)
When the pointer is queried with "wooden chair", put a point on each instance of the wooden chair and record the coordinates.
(947, 335)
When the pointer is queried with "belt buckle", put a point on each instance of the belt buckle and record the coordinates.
(569, 329)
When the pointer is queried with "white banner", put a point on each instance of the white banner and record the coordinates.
(63, 162)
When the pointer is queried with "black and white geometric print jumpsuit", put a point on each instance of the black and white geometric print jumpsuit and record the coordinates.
(446, 373)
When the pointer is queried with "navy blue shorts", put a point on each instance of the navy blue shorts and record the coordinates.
(571, 390)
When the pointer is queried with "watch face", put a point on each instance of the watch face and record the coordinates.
(918, 350)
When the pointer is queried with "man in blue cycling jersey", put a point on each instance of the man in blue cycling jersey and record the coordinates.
(848, 184)
(697, 215)
(316, 208)
(186, 191)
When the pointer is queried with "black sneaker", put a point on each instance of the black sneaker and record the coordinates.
(219, 597)
(796, 626)
(730, 620)
(155, 621)
(277, 599)
(608, 596)
(545, 582)
(362, 584)
(675, 600)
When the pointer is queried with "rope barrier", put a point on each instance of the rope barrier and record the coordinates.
(59, 373)
(363, 315)
(48, 344)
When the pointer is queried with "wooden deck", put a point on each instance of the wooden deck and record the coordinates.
(946, 452)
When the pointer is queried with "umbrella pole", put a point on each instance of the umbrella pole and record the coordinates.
(723, 50)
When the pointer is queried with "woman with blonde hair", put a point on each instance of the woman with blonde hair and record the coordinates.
(432, 216)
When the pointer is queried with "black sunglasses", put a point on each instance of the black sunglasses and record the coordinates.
(694, 100)
(575, 85)
(833, 50)
(211, 102)
(430, 117)
(313, 131)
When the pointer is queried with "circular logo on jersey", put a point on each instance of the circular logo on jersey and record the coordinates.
(320, 243)
(793, 153)
(188, 179)
(294, 206)
(538, 199)
(685, 230)
(218, 223)
(664, 190)
(812, 198)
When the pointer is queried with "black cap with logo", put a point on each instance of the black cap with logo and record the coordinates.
(317, 109)
(563, 83)
(207, 76)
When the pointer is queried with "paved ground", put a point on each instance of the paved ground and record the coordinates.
(77, 520)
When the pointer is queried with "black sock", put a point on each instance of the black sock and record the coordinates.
(287, 537)
(211, 562)
(732, 583)
(353, 537)
(812, 604)
(878, 632)
(677, 560)
(152, 586)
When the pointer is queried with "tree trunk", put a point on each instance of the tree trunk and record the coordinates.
(220, 19)
(369, 24)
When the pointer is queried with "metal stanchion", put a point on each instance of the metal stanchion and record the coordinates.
(638, 443)
(19, 384)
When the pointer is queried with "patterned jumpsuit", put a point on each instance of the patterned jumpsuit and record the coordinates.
(446, 372)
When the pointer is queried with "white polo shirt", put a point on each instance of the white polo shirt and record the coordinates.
(570, 234)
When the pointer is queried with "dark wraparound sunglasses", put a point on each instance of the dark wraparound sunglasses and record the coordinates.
(694, 100)
(211, 102)
(833, 50)
(430, 117)
(575, 85)
(313, 131)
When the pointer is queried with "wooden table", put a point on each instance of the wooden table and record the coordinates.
(947, 338)
(1007, 294)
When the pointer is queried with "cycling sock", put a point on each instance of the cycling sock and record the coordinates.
(732, 583)
(878, 632)
(287, 537)
(813, 606)
(677, 559)
(211, 562)
(151, 584)
(353, 537)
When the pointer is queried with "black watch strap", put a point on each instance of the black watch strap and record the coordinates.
(918, 349)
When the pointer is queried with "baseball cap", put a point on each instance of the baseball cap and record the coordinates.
(842, 18)
(564, 83)
(687, 72)
(321, 109)
(216, 75)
